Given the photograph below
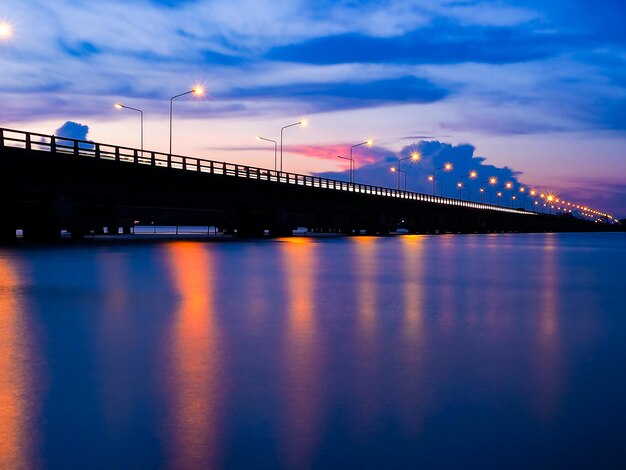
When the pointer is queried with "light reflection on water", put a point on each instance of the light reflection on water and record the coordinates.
(367, 352)
(18, 400)
(193, 389)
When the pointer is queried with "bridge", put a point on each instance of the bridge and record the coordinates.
(50, 183)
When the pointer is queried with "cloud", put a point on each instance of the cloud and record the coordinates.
(347, 95)
(73, 130)
(434, 155)
(441, 43)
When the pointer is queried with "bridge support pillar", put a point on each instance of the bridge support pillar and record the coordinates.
(42, 232)
(7, 234)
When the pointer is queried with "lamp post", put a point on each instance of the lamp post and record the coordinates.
(275, 149)
(508, 185)
(299, 123)
(522, 191)
(398, 171)
(369, 144)
(121, 106)
(492, 181)
(472, 174)
(415, 156)
(532, 198)
(550, 198)
(445, 167)
(198, 91)
(350, 168)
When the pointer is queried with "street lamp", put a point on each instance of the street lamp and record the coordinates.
(198, 91)
(121, 106)
(415, 156)
(258, 137)
(350, 168)
(398, 170)
(522, 191)
(532, 196)
(299, 123)
(445, 167)
(499, 194)
(492, 181)
(508, 185)
(472, 174)
(550, 198)
(369, 144)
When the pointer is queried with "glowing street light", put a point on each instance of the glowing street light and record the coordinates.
(445, 167)
(369, 143)
(398, 171)
(471, 175)
(258, 137)
(522, 191)
(198, 91)
(492, 181)
(6, 30)
(121, 106)
(508, 185)
(415, 157)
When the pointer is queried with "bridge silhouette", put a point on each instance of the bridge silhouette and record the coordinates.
(50, 183)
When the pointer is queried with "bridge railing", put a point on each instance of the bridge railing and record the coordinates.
(88, 149)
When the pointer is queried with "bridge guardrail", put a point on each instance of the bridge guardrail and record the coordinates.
(89, 149)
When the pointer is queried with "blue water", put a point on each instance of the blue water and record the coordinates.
(498, 351)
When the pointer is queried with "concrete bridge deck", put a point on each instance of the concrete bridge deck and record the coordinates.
(49, 184)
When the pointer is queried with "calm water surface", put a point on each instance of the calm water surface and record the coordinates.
(441, 351)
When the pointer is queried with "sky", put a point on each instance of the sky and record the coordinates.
(532, 92)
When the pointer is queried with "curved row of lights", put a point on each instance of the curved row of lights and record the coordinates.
(541, 200)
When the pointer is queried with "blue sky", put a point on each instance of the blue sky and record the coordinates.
(535, 88)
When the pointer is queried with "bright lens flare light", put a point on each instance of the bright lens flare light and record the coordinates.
(473, 174)
(304, 123)
(198, 91)
(118, 106)
(493, 180)
(370, 142)
(6, 30)
(416, 156)
(447, 166)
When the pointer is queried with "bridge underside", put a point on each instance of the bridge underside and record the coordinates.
(43, 193)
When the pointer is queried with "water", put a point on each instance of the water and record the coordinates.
(441, 351)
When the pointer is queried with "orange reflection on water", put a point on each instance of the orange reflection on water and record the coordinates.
(366, 270)
(16, 387)
(414, 399)
(367, 388)
(302, 357)
(412, 246)
(193, 379)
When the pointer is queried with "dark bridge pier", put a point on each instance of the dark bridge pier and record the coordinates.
(82, 187)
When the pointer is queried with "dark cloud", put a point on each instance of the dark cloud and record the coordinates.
(434, 155)
(441, 43)
(346, 95)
